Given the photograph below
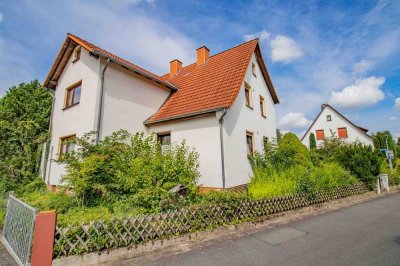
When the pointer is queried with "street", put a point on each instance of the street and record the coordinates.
(363, 234)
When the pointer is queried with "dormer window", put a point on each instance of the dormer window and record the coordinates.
(77, 54)
(253, 69)
(328, 118)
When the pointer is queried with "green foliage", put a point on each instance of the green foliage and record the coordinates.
(382, 138)
(129, 167)
(313, 141)
(360, 160)
(294, 150)
(394, 176)
(24, 122)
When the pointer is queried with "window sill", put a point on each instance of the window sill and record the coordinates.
(75, 60)
(72, 105)
(264, 116)
(251, 107)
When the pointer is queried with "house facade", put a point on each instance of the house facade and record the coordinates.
(221, 105)
(331, 124)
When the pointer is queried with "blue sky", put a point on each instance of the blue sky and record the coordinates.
(346, 53)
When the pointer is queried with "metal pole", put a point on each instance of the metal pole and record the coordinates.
(388, 155)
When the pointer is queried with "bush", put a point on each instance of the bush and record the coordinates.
(360, 160)
(129, 167)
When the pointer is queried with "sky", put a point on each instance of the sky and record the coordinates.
(345, 53)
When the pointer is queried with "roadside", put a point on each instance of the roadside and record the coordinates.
(362, 234)
(157, 251)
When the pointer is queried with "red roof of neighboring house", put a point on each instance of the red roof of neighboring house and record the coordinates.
(59, 64)
(213, 85)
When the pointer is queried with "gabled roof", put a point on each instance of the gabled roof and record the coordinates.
(360, 129)
(213, 85)
(68, 47)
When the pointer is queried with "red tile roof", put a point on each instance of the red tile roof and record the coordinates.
(214, 85)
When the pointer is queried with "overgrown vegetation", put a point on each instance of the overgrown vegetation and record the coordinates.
(24, 122)
(290, 168)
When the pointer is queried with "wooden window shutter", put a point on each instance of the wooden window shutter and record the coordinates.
(320, 134)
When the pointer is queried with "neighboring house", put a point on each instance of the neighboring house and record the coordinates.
(332, 124)
(222, 105)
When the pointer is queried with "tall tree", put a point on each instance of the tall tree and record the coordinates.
(313, 142)
(382, 138)
(24, 122)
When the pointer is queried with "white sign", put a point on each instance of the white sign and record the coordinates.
(390, 154)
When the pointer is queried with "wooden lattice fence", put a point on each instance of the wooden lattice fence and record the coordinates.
(101, 235)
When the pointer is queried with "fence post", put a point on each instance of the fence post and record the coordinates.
(43, 238)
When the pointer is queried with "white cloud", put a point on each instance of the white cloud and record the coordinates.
(262, 35)
(362, 67)
(393, 118)
(284, 49)
(397, 103)
(364, 92)
(294, 121)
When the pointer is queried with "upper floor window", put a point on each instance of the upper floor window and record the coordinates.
(320, 134)
(77, 54)
(262, 106)
(73, 94)
(248, 95)
(342, 132)
(66, 145)
(253, 69)
(250, 143)
(328, 118)
(165, 141)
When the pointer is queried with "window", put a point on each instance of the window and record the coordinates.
(328, 118)
(342, 132)
(73, 95)
(250, 143)
(320, 134)
(253, 69)
(248, 95)
(77, 54)
(66, 145)
(262, 106)
(165, 141)
(265, 142)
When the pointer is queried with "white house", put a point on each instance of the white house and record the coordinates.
(332, 124)
(222, 105)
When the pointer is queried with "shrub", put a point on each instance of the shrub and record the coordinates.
(294, 151)
(129, 167)
(360, 160)
(313, 142)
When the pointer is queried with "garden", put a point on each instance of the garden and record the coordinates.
(129, 174)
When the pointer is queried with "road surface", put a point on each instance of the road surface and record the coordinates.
(363, 234)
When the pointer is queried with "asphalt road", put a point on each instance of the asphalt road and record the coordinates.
(363, 234)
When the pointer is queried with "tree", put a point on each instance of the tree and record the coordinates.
(292, 148)
(380, 139)
(313, 142)
(24, 122)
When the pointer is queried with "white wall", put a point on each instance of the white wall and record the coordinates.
(241, 118)
(77, 119)
(331, 128)
(129, 100)
(203, 135)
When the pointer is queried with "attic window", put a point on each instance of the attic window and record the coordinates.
(253, 69)
(320, 134)
(328, 118)
(248, 95)
(342, 132)
(77, 54)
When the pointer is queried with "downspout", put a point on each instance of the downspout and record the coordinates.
(45, 158)
(221, 138)
(101, 101)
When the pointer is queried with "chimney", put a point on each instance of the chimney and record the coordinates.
(174, 67)
(202, 55)
(323, 106)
